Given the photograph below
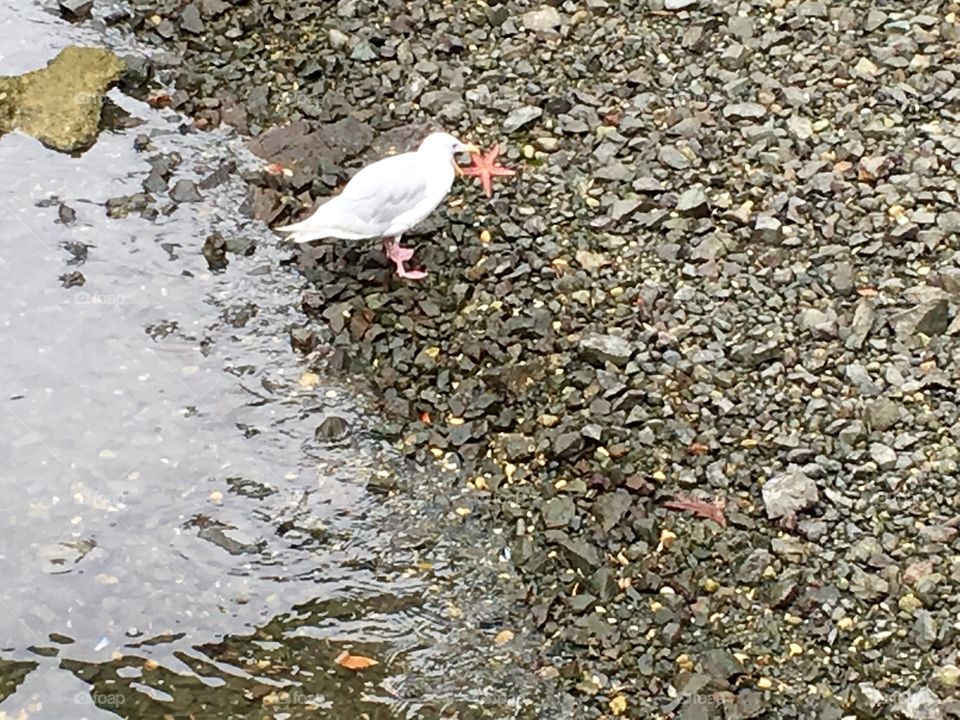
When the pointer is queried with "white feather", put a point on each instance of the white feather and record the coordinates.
(386, 198)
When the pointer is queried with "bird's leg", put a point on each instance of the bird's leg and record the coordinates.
(399, 255)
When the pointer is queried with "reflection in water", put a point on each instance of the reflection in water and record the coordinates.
(177, 541)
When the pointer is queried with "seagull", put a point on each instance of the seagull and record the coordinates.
(387, 198)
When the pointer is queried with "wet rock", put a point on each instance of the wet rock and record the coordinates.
(332, 429)
(363, 52)
(947, 677)
(860, 327)
(882, 414)
(72, 279)
(744, 111)
(924, 629)
(517, 446)
(303, 339)
(66, 214)
(338, 39)
(581, 554)
(722, 666)
(673, 158)
(190, 20)
(949, 222)
(868, 587)
(818, 323)
(120, 207)
(215, 251)
(219, 176)
(155, 183)
(382, 483)
(558, 512)
(445, 104)
(789, 493)
(929, 318)
(303, 148)
(694, 203)
(568, 444)
(754, 354)
(520, 117)
(60, 105)
(214, 8)
(75, 10)
(185, 191)
(606, 349)
(610, 508)
(230, 539)
(767, 229)
(244, 246)
(546, 19)
(922, 704)
(883, 456)
(869, 703)
(621, 209)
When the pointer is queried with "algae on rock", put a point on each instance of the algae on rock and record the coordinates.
(60, 104)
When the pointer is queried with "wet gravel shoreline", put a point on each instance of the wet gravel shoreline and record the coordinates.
(728, 269)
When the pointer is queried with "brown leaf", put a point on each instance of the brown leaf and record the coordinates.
(354, 662)
(701, 508)
(867, 292)
(425, 417)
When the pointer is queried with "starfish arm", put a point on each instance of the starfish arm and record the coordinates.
(485, 167)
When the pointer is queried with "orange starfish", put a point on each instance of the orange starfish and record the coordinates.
(486, 168)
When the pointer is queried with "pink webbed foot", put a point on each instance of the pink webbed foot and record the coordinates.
(398, 256)
(411, 274)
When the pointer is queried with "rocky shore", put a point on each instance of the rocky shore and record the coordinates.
(698, 359)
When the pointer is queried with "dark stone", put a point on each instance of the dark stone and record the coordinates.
(568, 444)
(332, 428)
(75, 10)
(185, 191)
(606, 348)
(303, 339)
(215, 251)
(66, 214)
(191, 21)
(72, 279)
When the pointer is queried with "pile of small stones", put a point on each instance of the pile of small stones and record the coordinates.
(727, 272)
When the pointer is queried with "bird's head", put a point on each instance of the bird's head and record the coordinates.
(446, 144)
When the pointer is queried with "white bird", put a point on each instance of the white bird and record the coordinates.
(387, 198)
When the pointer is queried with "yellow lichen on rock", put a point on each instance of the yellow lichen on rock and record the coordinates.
(60, 104)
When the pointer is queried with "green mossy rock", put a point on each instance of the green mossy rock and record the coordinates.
(60, 104)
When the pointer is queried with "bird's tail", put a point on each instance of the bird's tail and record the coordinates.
(304, 236)
(304, 231)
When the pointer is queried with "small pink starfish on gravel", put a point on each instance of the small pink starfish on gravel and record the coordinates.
(486, 168)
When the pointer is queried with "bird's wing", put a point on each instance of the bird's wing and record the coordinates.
(388, 188)
(370, 202)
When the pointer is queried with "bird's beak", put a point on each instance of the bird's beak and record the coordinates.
(466, 148)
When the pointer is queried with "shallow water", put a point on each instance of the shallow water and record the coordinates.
(176, 543)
